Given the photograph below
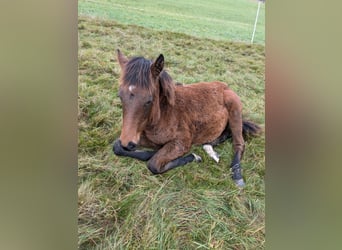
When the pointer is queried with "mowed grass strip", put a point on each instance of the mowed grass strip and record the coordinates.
(231, 20)
(197, 206)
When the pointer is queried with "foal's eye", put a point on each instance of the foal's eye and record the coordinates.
(148, 103)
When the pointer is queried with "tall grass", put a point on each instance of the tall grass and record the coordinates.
(219, 19)
(197, 206)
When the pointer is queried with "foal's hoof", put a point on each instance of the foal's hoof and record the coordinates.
(117, 148)
(240, 183)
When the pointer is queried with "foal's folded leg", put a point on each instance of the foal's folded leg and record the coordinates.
(138, 154)
(182, 161)
(171, 156)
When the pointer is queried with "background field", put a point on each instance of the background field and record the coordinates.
(219, 19)
(123, 206)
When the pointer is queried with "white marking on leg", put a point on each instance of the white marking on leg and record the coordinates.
(210, 151)
(197, 157)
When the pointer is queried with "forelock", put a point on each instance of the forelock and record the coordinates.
(137, 72)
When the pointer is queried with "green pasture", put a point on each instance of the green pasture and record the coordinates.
(197, 206)
(231, 20)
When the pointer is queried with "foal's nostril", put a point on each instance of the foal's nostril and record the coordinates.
(131, 146)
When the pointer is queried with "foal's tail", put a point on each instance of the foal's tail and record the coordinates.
(250, 129)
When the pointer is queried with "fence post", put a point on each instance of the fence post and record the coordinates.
(256, 20)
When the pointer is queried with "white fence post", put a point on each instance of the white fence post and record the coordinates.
(256, 20)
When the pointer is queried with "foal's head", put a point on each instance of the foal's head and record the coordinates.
(144, 86)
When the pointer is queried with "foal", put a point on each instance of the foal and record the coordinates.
(169, 118)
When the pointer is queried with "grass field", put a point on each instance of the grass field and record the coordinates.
(123, 206)
(219, 19)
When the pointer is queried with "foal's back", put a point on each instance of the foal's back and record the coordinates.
(203, 108)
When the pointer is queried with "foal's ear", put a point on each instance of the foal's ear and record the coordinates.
(157, 66)
(121, 59)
